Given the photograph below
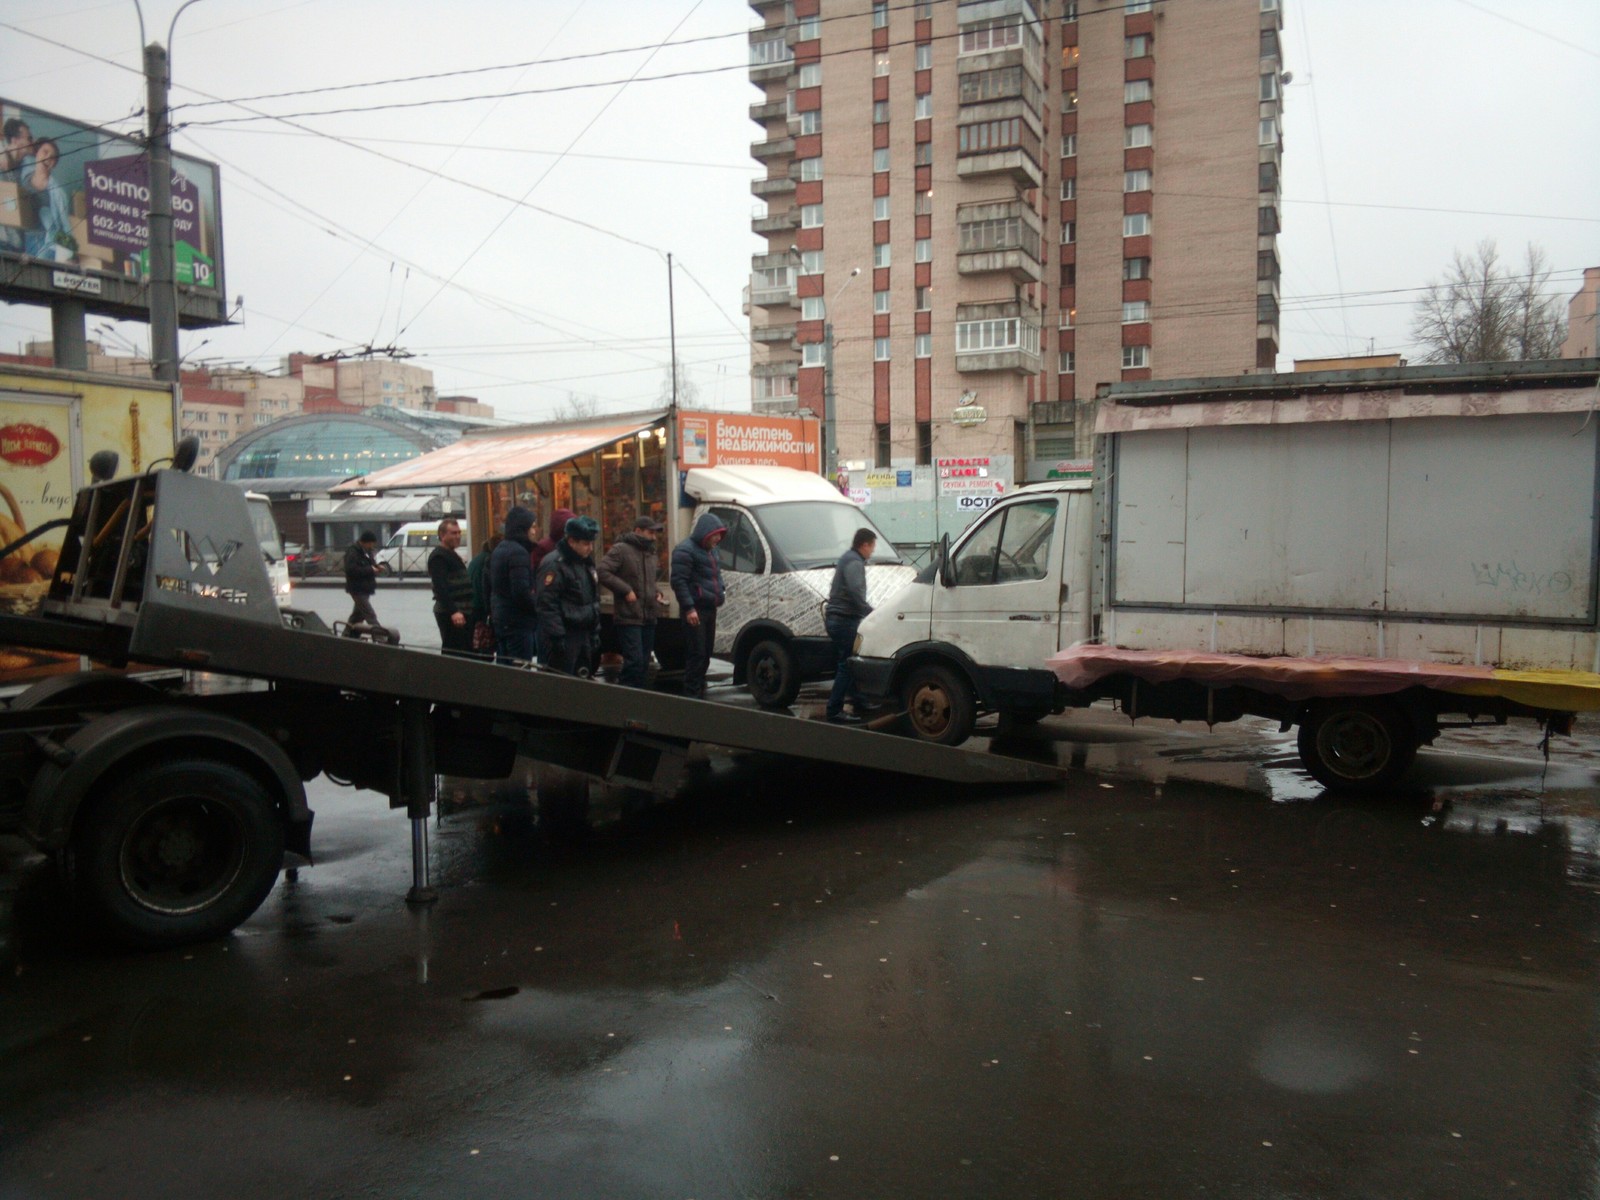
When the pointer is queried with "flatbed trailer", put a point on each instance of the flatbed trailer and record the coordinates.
(172, 807)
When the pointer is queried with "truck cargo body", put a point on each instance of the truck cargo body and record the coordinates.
(1419, 516)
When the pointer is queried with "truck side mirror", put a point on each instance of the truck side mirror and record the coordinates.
(947, 573)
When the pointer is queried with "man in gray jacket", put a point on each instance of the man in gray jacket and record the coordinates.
(629, 569)
(847, 605)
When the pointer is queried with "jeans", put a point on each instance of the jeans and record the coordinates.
(636, 643)
(842, 633)
(697, 643)
(514, 645)
(361, 612)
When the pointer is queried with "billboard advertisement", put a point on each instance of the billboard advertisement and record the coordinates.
(742, 439)
(74, 198)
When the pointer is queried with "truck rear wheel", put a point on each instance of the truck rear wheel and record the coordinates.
(939, 705)
(770, 674)
(1357, 745)
(178, 852)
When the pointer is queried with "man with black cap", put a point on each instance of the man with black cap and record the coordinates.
(630, 569)
(361, 569)
(568, 601)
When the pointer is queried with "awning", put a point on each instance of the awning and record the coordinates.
(498, 457)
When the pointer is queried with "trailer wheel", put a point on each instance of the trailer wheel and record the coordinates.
(770, 674)
(1357, 745)
(178, 852)
(939, 705)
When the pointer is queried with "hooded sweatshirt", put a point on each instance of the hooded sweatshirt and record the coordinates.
(543, 548)
(511, 575)
(696, 573)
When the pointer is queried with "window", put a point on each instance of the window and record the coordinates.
(924, 345)
(924, 154)
(880, 208)
(1135, 311)
(884, 445)
(1268, 177)
(880, 14)
(1137, 46)
(924, 299)
(740, 549)
(1069, 100)
(813, 354)
(880, 159)
(771, 279)
(984, 36)
(1135, 91)
(925, 106)
(880, 63)
(924, 10)
(1003, 333)
(1069, 145)
(1269, 5)
(811, 122)
(1136, 181)
(1269, 43)
(1136, 225)
(810, 76)
(880, 254)
(771, 387)
(999, 83)
(810, 169)
(880, 302)
(924, 443)
(1266, 220)
(991, 135)
(1135, 136)
(1269, 86)
(1266, 310)
(1136, 268)
(1068, 363)
(1268, 135)
(810, 216)
(770, 52)
(1069, 232)
(1136, 6)
(924, 58)
(924, 204)
(1069, 317)
(997, 233)
(811, 308)
(811, 262)
(810, 28)
(1011, 546)
(880, 349)
(880, 112)
(1266, 265)
(1134, 357)
(924, 250)
(1069, 188)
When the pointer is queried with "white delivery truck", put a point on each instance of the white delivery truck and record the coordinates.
(407, 550)
(786, 530)
(272, 551)
(1368, 555)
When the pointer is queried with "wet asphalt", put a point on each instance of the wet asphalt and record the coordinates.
(1182, 972)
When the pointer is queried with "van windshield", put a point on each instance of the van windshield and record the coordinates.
(266, 528)
(814, 533)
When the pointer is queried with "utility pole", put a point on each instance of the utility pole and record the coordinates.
(830, 434)
(163, 285)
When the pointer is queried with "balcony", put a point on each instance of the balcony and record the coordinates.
(774, 334)
(780, 147)
(999, 336)
(772, 279)
(765, 6)
(763, 111)
(1000, 236)
(1015, 164)
(764, 220)
(770, 57)
(781, 186)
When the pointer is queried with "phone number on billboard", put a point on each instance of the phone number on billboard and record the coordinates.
(124, 228)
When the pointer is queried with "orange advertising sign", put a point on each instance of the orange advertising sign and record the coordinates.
(747, 440)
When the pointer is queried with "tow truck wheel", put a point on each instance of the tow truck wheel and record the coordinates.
(770, 674)
(1357, 745)
(178, 852)
(939, 705)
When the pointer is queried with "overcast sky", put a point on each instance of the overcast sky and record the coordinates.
(516, 245)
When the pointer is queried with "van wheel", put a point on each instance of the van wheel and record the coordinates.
(770, 674)
(179, 851)
(939, 705)
(1357, 745)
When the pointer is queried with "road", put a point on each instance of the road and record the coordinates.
(1183, 973)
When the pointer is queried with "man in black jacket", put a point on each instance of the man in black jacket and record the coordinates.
(361, 582)
(568, 601)
(452, 590)
(847, 606)
(511, 589)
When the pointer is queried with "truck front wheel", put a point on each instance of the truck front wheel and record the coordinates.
(1357, 745)
(177, 852)
(770, 674)
(939, 705)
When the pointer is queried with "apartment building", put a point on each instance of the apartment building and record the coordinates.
(975, 212)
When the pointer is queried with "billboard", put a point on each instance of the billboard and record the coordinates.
(73, 204)
(742, 439)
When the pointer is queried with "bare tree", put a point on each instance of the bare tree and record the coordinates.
(1481, 312)
(577, 407)
(688, 390)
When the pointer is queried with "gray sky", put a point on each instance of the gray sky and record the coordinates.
(1412, 128)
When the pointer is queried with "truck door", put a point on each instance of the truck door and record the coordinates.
(1003, 602)
(745, 581)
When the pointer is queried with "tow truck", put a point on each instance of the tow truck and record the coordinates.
(171, 802)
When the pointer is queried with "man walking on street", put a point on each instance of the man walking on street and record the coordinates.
(629, 569)
(452, 591)
(511, 590)
(361, 582)
(697, 583)
(568, 601)
(847, 605)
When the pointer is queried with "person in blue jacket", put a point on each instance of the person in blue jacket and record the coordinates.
(697, 583)
(511, 603)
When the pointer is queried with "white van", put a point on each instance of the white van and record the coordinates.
(406, 552)
(271, 545)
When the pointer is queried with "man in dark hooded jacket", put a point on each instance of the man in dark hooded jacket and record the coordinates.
(697, 583)
(511, 589)
(568, 601)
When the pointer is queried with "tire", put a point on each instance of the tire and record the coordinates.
(1357, 745)
(770, 674)
(939, 705)
(179, 851)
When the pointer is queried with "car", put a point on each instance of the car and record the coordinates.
(304, 562)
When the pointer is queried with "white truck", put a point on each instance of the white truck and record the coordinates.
(1367, 555)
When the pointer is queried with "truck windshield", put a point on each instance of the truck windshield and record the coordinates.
(814, 533)
(266, 528)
